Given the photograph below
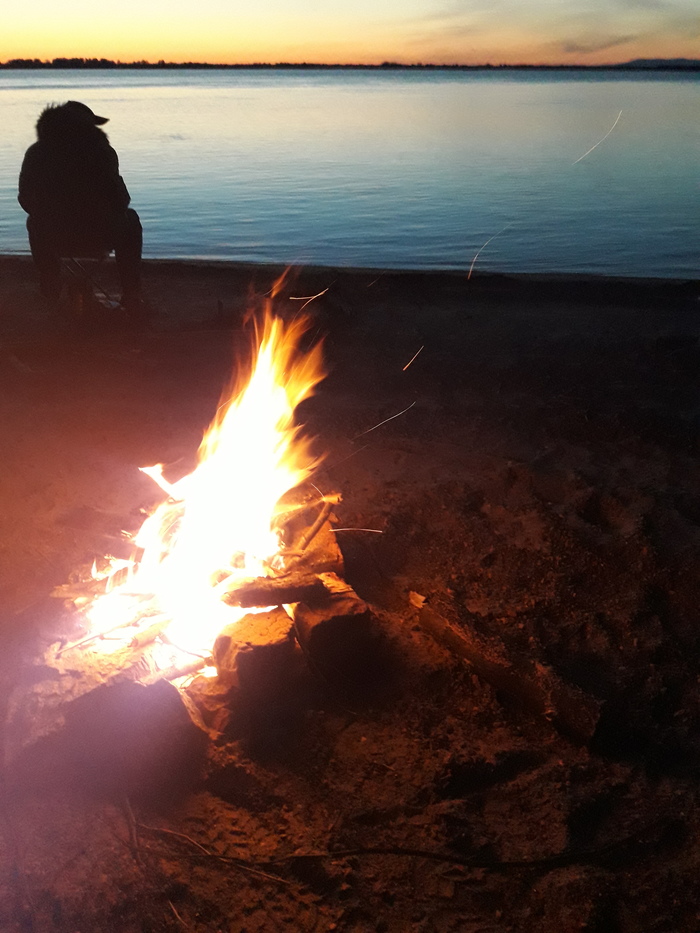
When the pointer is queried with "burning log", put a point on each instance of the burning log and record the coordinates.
(572, 711)
(309, 539)
(276, 591)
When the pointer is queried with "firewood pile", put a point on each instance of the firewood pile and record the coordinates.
(304, 616)
(303, 620)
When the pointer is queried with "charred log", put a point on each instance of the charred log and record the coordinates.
(338, 632)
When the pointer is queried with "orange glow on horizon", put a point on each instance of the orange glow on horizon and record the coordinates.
(402, 31)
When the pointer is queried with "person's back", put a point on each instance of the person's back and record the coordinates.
(76, 199)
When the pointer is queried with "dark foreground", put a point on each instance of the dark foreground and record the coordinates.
(541, 492)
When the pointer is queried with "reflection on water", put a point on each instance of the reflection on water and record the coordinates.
(398, 169)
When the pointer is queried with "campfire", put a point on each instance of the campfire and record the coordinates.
(238, 568)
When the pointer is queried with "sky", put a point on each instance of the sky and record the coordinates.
(354, 31)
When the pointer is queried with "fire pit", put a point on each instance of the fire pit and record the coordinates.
(235, 577)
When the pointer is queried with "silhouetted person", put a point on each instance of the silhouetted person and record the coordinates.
(77, 202)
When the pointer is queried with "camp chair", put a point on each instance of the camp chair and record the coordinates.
(85, 297)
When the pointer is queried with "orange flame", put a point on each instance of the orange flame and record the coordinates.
(217, 526)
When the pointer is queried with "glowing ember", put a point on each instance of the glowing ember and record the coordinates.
(217, 526)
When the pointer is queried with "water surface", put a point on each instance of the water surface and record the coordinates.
(404, 169)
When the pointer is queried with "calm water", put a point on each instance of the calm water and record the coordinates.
(392, 170)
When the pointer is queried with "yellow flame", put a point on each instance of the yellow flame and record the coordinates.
(217, 526)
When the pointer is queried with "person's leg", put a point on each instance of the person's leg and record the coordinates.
(128, 242)
(46, 259)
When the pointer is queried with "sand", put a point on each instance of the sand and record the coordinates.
(540, 487)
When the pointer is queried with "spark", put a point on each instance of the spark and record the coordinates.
(397, 415)
(307, 300)
(510, 224)
(599, 141)
(374, 531)
(359, 450)
(412, 359)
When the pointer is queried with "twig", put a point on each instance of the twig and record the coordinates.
(94, 637)
(172, 907)
(175, 671)
(149, 634)
(231, 860)
(288, 512)
(311, 533)
(648, 833)
(133, 834)
(172, 832)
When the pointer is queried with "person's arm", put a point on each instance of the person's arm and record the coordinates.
(28, 181)
(117, 192)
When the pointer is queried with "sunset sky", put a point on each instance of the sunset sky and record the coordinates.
(360, 31)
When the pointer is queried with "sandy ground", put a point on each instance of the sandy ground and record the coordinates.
(541, 490)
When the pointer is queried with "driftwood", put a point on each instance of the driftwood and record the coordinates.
(572, 711)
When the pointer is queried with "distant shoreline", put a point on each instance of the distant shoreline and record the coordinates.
(70, 64)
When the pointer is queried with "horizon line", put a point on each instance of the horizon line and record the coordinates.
(94, 63)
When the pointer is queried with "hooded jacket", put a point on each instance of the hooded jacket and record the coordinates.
(70, 177)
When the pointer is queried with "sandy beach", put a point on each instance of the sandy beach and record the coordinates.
(539, 489)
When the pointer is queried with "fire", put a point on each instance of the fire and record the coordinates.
(218, 525)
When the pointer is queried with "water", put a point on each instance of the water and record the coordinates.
(405, 170)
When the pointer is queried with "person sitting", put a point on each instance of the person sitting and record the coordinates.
(77, 202)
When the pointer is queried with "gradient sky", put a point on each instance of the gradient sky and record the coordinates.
(362, 31)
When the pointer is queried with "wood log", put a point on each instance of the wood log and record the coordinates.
(338, 631)
(276, 591)
(254, 653)
(257, 697)
(573, 712)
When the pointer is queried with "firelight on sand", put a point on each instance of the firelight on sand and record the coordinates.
(218, 525)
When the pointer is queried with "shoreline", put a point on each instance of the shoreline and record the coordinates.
(180, 294)
(482, 278)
